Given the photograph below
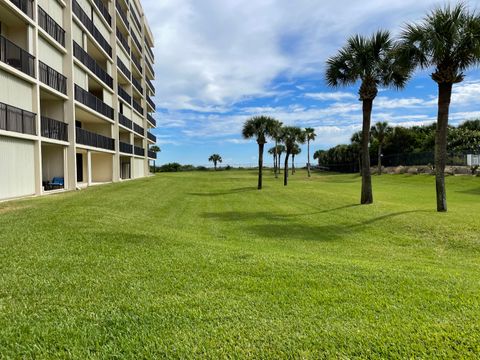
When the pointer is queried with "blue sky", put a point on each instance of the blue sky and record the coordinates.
(220, 62)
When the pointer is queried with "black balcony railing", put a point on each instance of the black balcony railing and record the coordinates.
(104, 11)
(126, 148)
(16, 57)
(123, 13)
(26, 6)
(137, 85)
(17, 120)
(151, 120)
(152, 154)
(138, 151)
(150, 67)
(124, 68)
(52, 28)
(137, 63)
(89, 138)
(123, 120)
(138, 129)
(53, 129)
(150, 85)
(150, 102)
(124, 95)
(151, 137)
(135, 18)
(92, 102)
(52, 78)
(91, 64)
(123, 41)
(136, 41)
(137, 106)
(92, 29)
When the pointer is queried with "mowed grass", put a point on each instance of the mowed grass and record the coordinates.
(194, 265)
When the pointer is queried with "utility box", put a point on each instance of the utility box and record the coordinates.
(473, 160)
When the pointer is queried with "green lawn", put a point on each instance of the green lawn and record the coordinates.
(198, 264)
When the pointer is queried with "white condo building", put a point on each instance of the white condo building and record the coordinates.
(75, 94)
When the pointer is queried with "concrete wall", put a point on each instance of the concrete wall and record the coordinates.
(52, 162)
(15, 92)
(102, 167)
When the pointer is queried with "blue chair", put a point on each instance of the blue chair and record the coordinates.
(57, 182)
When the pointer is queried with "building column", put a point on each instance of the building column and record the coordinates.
(89, 168)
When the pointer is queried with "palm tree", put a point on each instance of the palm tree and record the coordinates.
(295, 151)
(356, 141)
(280, 150)
(372, 62)
(259, 127)
(275, 134)
(447, 39)
(156, 149)
(291, 135)
(215, 158)
(379, 132)
(310, 132)
(273, 151)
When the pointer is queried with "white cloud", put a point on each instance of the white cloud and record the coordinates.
(331, 96)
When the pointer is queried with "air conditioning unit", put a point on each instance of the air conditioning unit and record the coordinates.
(473, 160)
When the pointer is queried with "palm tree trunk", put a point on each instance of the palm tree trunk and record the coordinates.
(367, 195)
(308, 162)
(379, 159)
(279, 163)
(285, 171)
(275, 164)
(293, 164)
(260, 165)
(444, 97)
(215, 165)
(275, 167)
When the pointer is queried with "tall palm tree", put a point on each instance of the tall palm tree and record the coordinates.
(259, 127)
(273, 151)
(295, 151)
(356, 141)
(275, 134)
(310, 133)
(215, 158)
(291, 135)
(379, 132)
(280, 150)
(317, 155)
(372, 62)
(156, 149)
(447, 39)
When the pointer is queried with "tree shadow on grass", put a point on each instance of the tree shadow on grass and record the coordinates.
(470, 191)
(228, 192)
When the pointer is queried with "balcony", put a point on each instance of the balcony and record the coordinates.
(123, 120)
(16, 57)
(52, 78)
(124, 95)
(137, 106)
(26, 6)
(135, 19)
(93, 102)
(150, 68)
(138, 151)
(149, 50)
(137, 85)
(151, 137)
(150, 102)
(124, 68)
(104, 11)
(137, 63)
(135, 40)
(17, 120)
(52, 28)
(123, 14)
(123, 41)
(151, 120)
(53, 129)
(150, 85)
(138, 129)
(88, 138)
(82, 56)
(152, 154)
(126, 148)
(92, 29)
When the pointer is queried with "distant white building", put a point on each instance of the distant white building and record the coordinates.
(473, 160)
